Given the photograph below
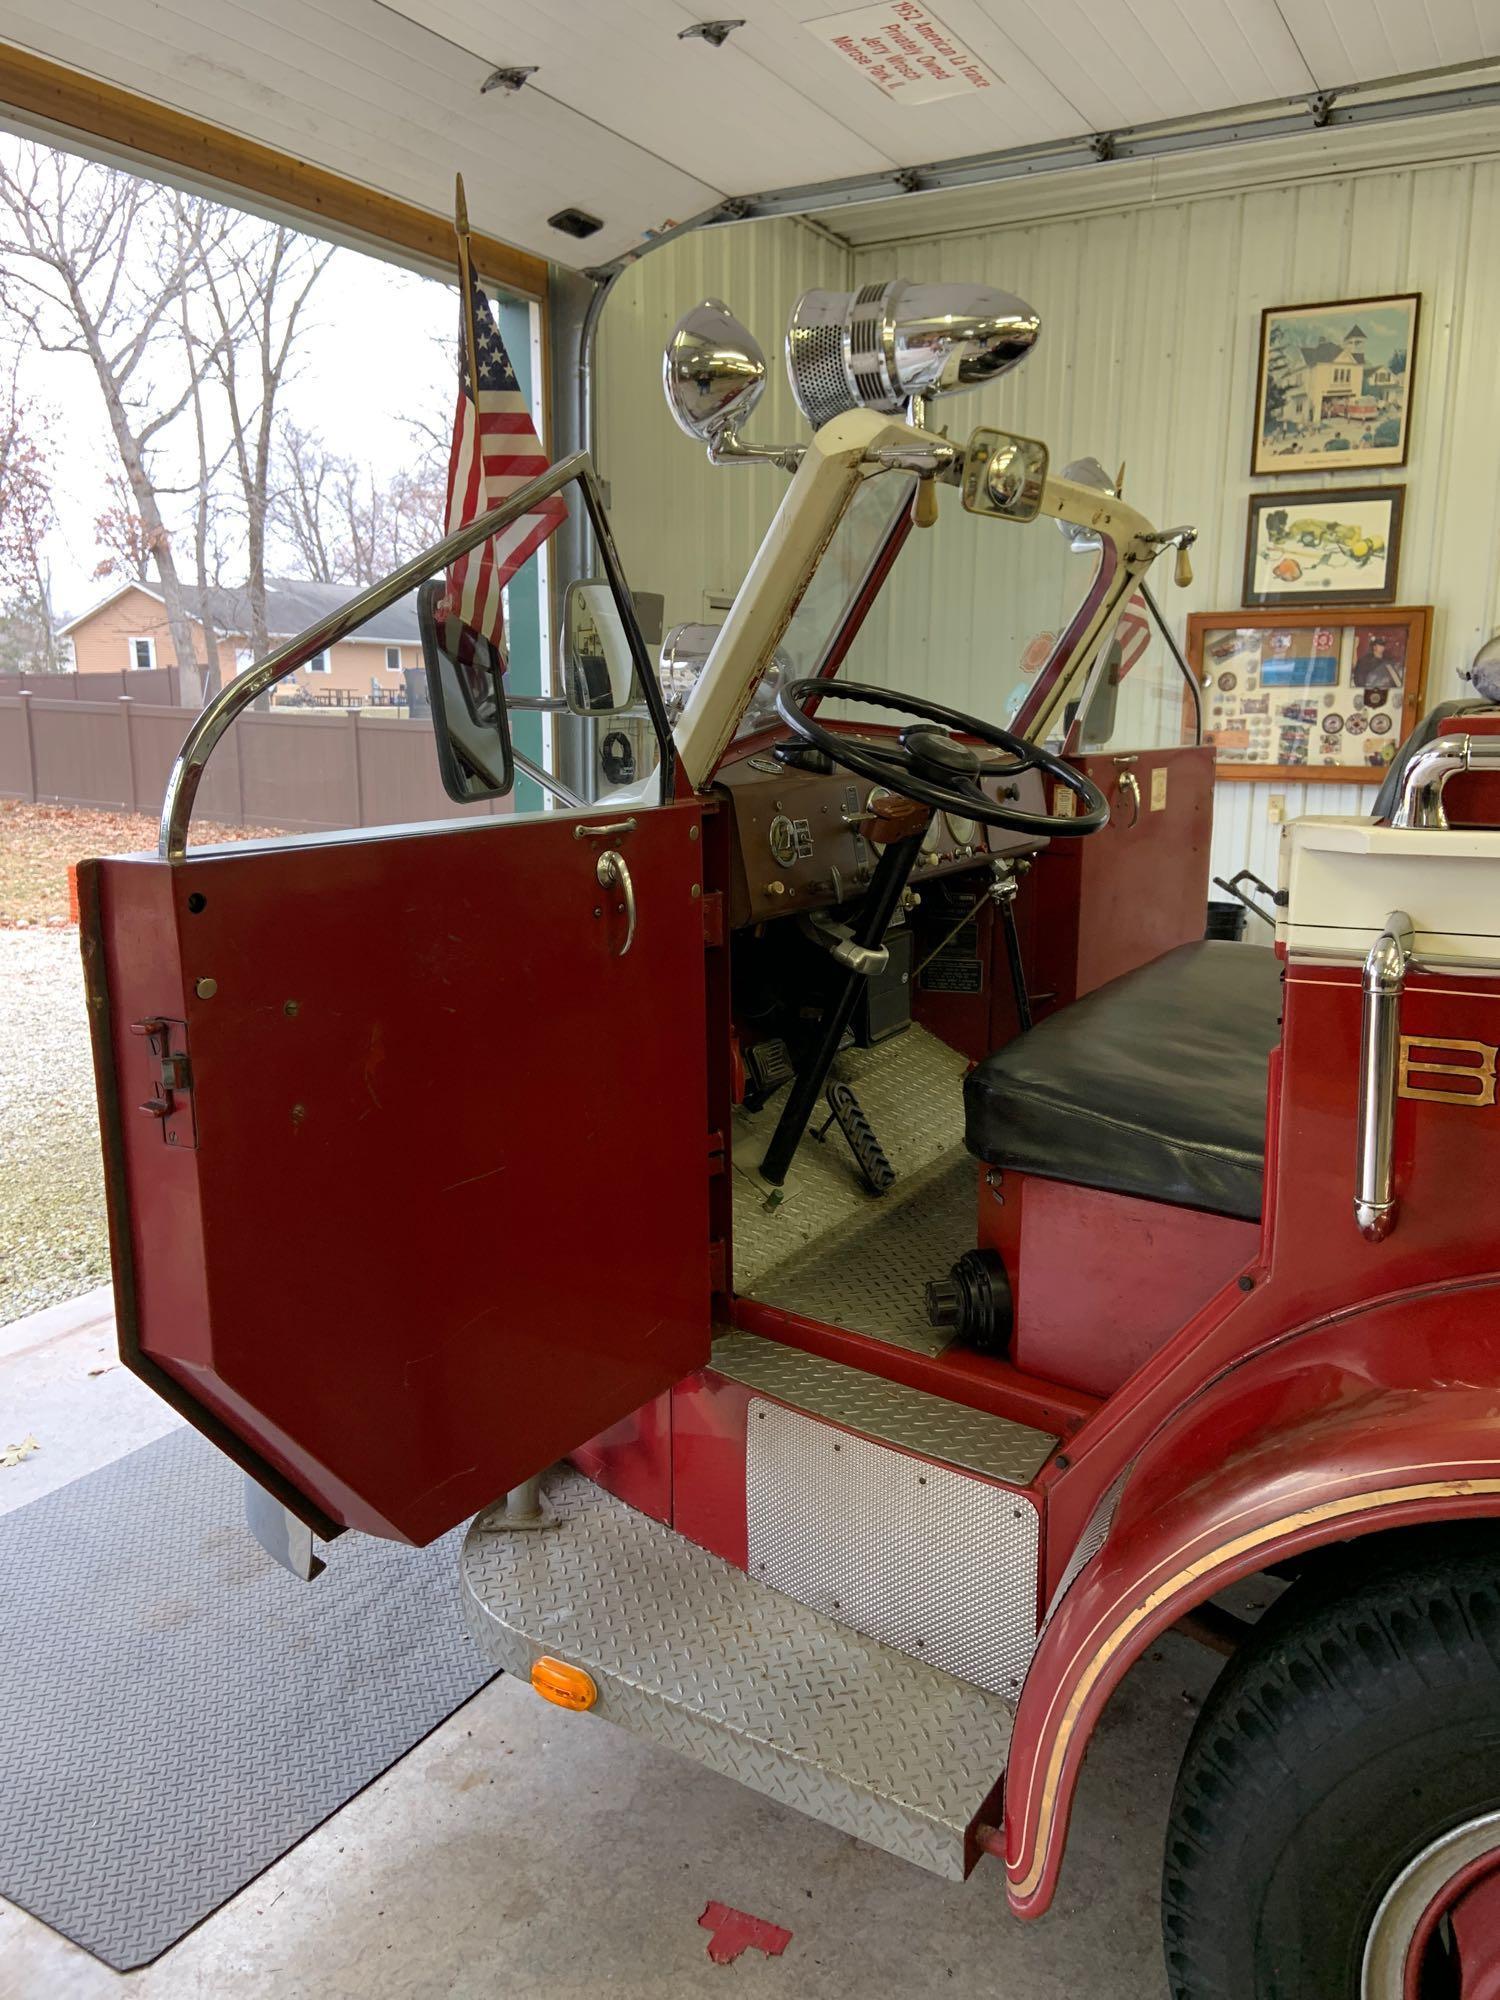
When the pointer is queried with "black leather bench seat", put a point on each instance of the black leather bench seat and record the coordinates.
(1153, 1085)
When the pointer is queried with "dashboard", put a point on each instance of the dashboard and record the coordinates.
(800, 835)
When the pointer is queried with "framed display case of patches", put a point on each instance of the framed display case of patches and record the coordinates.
(1320, 695)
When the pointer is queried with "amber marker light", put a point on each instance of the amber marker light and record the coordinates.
(567, 1687)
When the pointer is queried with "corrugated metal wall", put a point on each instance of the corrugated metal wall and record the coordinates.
(1152, 314)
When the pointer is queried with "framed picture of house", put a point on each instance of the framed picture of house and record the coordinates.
(1340, 545)
(1325, 696)
(1333, 389)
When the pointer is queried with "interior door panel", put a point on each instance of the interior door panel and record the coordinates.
(422, 1202)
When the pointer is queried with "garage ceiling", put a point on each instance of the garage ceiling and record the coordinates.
(638, 127)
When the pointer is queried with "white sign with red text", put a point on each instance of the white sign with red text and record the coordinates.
(905, 51)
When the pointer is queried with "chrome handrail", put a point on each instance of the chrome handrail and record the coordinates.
(209, 727)
(1420, 803)
(1386, 966)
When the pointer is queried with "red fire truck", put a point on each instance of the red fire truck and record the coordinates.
(874, 1267)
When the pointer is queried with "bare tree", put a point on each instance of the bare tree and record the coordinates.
(342, 523)
(127, 543)
(91, 263)
(26, 518)
(257, 287)
(302, 504)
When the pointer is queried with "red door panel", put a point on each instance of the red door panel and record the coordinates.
(440, 1211)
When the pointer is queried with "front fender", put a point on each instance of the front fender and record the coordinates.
(1380, 1418)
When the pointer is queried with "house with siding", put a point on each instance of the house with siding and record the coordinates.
(128, 631)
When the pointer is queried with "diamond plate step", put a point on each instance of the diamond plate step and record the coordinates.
(689, 1651)
(911, 1419)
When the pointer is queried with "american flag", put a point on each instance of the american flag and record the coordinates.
(495, 451)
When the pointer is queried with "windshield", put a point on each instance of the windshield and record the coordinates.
(970, 613)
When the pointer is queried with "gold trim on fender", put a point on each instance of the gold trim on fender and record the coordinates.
(1354, 1503)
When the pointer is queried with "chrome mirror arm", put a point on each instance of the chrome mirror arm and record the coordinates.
(727, 447)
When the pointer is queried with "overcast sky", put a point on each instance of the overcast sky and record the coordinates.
(380, 344)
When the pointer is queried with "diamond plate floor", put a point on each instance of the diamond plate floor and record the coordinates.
(690, 1652)
(911, 1089)
(911, 1419)
(832, 1251)
(178, 1711)
(868, 1272)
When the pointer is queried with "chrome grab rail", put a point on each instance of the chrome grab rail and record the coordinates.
(209, 727)
(1421, 801)
(1386, 967)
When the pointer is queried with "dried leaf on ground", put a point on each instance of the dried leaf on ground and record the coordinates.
(38, 845)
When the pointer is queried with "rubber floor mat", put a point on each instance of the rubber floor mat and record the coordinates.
(177, 1711)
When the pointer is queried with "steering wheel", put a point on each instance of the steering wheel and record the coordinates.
(928, 763)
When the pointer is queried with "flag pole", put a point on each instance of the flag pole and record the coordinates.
(466, 281)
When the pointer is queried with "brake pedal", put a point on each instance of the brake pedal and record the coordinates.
(768, 1065)
(875, 1170)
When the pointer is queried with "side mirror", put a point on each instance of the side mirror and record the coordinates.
(713, 372)
(598, 668)
(466, 687)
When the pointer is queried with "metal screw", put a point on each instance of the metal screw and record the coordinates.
(205, 988)
(1247, 1283)
(299, 1112)
(692, 833)
(289, 1008)
(1062, 1461)
(695, 892)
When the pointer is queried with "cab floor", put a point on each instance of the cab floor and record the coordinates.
(828, 1249)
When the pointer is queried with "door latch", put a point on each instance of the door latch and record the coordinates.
(611, 872)
(170, 1076)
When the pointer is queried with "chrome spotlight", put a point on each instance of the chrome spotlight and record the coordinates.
(713, 372)
(882, 345)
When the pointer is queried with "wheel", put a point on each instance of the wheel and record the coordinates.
(1335, 1833)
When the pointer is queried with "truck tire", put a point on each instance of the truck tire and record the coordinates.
(1338, 1791)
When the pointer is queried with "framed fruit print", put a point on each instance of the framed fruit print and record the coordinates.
(1341, 545)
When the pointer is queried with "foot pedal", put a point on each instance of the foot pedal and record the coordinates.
(768, 1065)
(875, 1170)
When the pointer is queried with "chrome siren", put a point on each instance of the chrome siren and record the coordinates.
(882, 345)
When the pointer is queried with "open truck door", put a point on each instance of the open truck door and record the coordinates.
(406, 1150)
(405, 1131)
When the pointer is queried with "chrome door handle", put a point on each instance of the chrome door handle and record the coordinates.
(613, 874)
(1380, 1034)
(1130, 783)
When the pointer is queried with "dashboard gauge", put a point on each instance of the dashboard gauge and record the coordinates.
(962, 832)
(932, 839)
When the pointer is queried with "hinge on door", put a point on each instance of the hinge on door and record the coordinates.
(715, 1155)
(713, 918)
(170, 1080)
